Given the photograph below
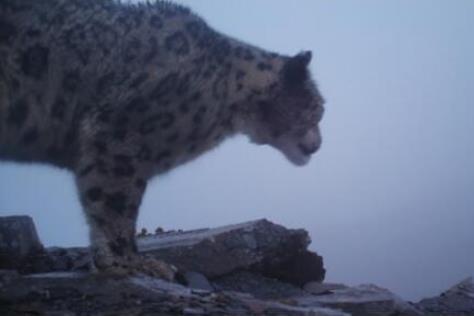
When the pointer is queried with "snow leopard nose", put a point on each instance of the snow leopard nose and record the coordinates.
(310, 142)
(308, 149)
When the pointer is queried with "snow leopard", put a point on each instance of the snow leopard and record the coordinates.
(120, 92)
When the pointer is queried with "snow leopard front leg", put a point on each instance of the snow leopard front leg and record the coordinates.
(111, 186)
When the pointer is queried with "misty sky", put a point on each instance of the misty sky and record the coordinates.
(389, 198)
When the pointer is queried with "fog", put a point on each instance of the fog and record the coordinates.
(389, 198)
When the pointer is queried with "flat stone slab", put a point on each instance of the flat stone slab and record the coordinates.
(318, 288)
(257, 285)
(362, 300)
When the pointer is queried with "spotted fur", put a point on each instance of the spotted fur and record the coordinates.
(118, 93)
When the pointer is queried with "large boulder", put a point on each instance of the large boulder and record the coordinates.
(21, 249)
(260, 246)
(18, 241)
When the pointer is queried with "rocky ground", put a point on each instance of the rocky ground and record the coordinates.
(253, 268)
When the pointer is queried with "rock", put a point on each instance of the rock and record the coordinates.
(317, 288)
(257, 285)
(362, 300)
(8, 276)
(68, 259)
(253, 268)
(300, 268)
(260, 246)
(18, 241)
(198, 281)
(56, 259)
(85, 294)
(458, 300)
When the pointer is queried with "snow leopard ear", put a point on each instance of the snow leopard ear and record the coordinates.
(304, 58)
(295, 70)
